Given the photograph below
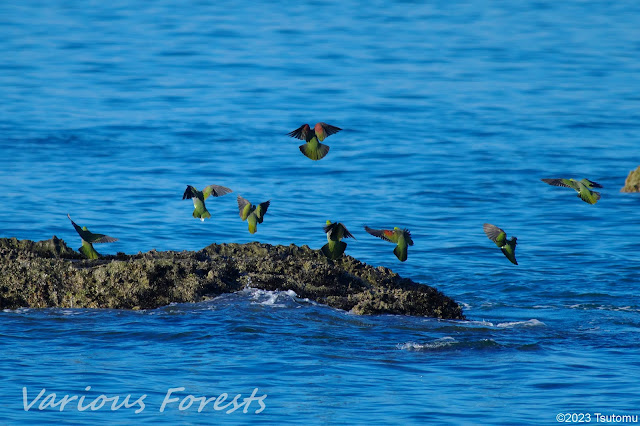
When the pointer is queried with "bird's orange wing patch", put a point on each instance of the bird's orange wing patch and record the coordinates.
(388, 233)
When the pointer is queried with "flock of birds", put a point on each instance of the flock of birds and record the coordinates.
(314, 149)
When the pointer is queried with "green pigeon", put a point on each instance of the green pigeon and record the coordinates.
(335, 232)
(402, 237)
(499, 237)
(198, 197)
(584, 188)
(89, 238)
(313, 148)
(252, 214)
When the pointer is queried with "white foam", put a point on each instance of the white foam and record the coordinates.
(529, 323)
(436, 344)
(483, 323)
(17, 310)
(269, 297)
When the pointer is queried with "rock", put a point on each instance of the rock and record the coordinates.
(632, 184)
(50, 274)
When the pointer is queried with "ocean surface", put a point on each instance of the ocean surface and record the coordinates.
(451, 113)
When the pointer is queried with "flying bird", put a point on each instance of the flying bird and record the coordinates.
(584, 188)
(252, 214)
(499, 237)
(334, 247)
(402, 237)
(89, 238)
(200, 210)
(313, 148)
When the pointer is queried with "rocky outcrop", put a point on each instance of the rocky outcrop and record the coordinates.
(50, 274)
(632, 184)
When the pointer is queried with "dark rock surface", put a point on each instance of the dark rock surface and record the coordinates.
(632, 183)
(50, 274)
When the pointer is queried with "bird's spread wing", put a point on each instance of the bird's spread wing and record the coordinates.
(327, 129)
(495, 234)
(190, 192)
(215, 190)
(567, 183)
(244, 207)
(261, 210)
(329, 229)
(407, 236)
(77, 228)
(101, 238)
(590, 184)
(303, 132)
(381, 233)
(346, 233)
(90, 237)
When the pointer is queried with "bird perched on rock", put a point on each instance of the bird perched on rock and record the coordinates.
(313, 148)
(334, 247)
(402, 237)
(200, 210)
(88, 239)
(252, 214)
(499, 237)
(584, 188)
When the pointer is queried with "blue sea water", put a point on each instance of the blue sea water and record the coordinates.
(452, 113)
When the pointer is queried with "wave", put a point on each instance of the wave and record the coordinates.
(510, 324)
(448, 343)
(274, 298)
(529, 323)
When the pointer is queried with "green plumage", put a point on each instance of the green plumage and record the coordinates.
(334, 249)
(499, 237)
(200, 210)
(401, 237)
(583, 187)
(314, 149)
(88, 239)
(252, 214)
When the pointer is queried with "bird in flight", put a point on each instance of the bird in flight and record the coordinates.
(313, 148)
(335, 233)
(252, 214)
(89, 238)
(499, 237)
(200, 210)
(584, 188)
(401, 237)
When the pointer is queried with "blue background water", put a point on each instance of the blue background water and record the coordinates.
(452, 113)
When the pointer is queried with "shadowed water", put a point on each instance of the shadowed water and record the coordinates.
(451, 115)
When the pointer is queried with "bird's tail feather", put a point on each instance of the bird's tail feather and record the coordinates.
(334, 252)
(401, 254)
(314, 154)
(253, 224)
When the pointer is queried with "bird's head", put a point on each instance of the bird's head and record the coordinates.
(84, 228)
(395, 228)
(328, 222)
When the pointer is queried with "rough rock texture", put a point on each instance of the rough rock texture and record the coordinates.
(632, 184)
(48, 273)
